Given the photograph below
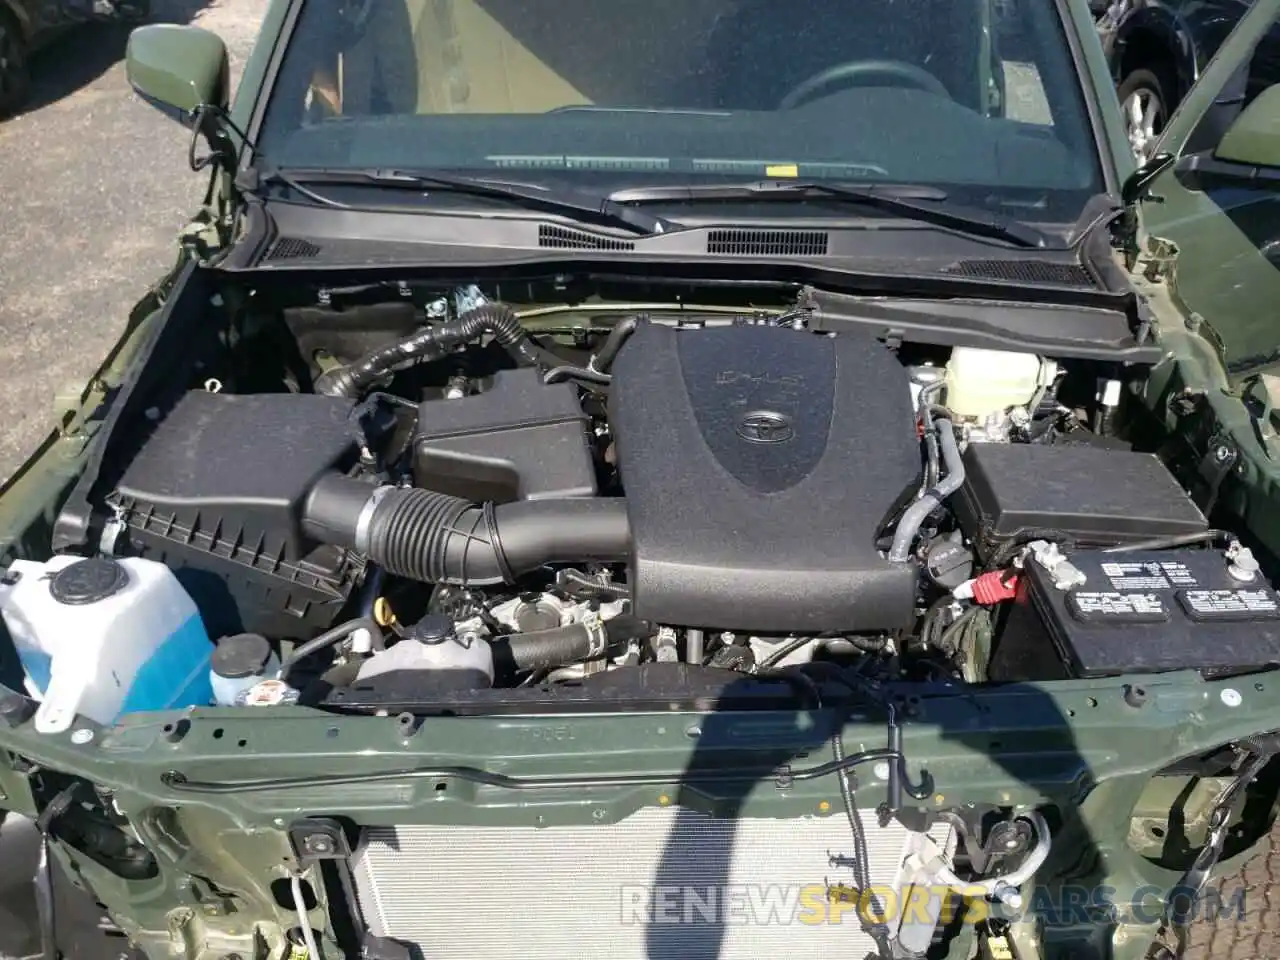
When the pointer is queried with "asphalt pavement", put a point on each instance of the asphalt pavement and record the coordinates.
(94, 187)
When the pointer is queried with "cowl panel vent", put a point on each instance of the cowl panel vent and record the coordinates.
(1023, 271)
(563, 238)
(292, 248)
(768, 243)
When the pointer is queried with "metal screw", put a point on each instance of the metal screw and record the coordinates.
(319, 843)
(81, 737)
(1231, 697)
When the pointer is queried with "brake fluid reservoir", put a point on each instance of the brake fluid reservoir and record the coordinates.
(103, 637)
(981, 382)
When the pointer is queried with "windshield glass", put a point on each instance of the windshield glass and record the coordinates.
(978, 97)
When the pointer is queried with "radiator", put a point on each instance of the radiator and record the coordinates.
(666, 883)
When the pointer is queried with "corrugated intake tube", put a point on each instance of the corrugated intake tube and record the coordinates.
(496, 319)
(441, 539)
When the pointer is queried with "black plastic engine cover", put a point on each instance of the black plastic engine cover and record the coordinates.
(760, 464)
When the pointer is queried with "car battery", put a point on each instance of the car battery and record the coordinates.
(1138, 612)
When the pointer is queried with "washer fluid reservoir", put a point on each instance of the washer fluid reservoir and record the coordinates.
(103, 637)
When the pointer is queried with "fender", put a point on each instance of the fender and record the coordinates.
(1156, 24)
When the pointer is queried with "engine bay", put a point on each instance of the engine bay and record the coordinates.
(407, 498)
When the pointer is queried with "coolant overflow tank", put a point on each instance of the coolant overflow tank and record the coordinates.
(432, 648)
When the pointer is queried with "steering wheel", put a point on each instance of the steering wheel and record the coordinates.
(859, 73)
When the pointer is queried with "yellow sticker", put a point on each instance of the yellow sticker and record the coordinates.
(782, 170)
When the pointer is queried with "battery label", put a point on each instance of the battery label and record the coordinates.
(1148, 575)
(1230, 604)
(1117, 607)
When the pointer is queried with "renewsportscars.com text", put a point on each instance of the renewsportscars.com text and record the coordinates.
(815, 904)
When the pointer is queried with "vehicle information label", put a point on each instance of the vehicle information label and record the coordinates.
(1149, 575)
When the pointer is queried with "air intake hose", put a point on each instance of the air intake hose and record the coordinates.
(436, 538)
(559, 646)
(495, 319)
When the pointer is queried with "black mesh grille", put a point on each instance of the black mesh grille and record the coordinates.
(562, 238)
(1023, 271)
(292, 248)
(768, 243)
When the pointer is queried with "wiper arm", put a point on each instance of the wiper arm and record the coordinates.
(925, 204)
(565, 202)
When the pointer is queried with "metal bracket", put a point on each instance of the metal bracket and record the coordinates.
(1214, 468)
(318, 840)
(381, 948)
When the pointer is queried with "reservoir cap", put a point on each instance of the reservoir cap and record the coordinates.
(88, 581)
(432, 629)
(239, 656)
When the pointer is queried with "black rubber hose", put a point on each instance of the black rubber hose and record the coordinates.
(496, 319)
(602, 362)
(569, 372)
(560, 646)
(435, 538)
(327, 639)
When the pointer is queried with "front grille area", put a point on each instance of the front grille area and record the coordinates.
(645, 888)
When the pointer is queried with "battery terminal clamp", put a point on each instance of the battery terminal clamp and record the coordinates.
(1243, 565)
(1065, 575)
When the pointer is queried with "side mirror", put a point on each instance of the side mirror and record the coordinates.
(1254, 138)
(178, 69)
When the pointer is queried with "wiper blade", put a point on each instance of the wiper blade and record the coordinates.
(579, 206)
(922, 203)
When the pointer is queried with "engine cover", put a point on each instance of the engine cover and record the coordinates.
(760, 465)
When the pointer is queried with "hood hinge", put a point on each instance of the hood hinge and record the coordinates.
(1158, 262)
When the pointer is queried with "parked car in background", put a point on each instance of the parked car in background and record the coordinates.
(1157, 50)
(27, 25)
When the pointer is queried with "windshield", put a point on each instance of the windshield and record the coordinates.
(978, 97)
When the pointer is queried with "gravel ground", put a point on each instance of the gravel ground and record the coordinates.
(95, 188)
